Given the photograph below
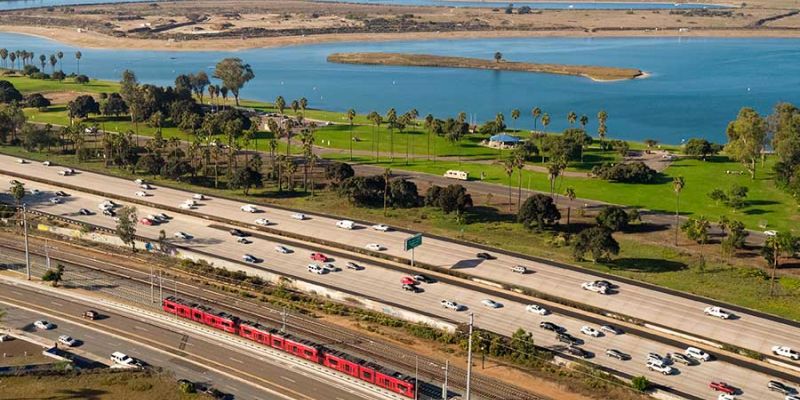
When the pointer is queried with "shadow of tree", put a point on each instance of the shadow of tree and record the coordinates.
(648, 265)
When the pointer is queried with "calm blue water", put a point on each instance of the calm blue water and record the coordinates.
(696, 86)
(17, 4)
(534, 4)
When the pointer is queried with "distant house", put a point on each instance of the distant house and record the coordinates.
(502, 141)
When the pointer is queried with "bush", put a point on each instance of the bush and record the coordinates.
(40, 75)
(614, 218)
(635, 172)
(640, 383)
(58, 76)
(538, 211)
(36, 100)
(29, 70)
(82, 79)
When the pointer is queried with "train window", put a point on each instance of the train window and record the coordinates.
(333, 362)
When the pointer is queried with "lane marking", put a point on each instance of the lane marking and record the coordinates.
(288, 379)
(55, 303)
(236, 360)
(139, 328)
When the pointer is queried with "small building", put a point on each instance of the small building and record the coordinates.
(503, 141)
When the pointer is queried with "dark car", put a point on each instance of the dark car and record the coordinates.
(211, 391)
(568, 339)
(485, 256)
(109, 213)
(549, 326)
(424, 279)
(91, 314)
(614, 353)
(578, 352)
(411, 288)
(779, 387)
(61, 193)
(84, 211)
(354, 266)
(237, 233)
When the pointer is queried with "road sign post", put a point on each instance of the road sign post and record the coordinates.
(411, 243)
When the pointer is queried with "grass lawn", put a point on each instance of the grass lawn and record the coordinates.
(28, 85)
(100, 386)
(638, 260)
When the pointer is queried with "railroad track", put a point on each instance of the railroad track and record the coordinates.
(430, 370)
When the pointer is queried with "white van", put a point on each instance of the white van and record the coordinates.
(456, 174)
(346, 224)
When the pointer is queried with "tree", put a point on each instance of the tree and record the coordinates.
(78, 56)
(584, 121)
(4, 56)
(114, 105)
(538, 211)
(54, 276)
(245, 179)
(736, 237)
(8, 93)
(234, 74)
(82, 79)
(351, 113)
(640, 383)
(454, 198)
(569, 192)
(651, 143)
(613, 218)
(37, 100)
(518, 156)
(338, 172)
(602, 117)
(536, 113)
(747, 135)
(403, 193)
(571, 118)
(697, 229)
(498, 56)
(60, 55)
(391, 120)
(126, 226)
(387, 174)
(700, 148)
(199, 82)
(43, 61)
(18, 192)
(596, 240)
(780, 244)
(82, 106)
(280, 104)
(677, 186)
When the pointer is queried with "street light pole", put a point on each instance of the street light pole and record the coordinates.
(416, 377)
(444, 387)
(25, 233)
(469, 355)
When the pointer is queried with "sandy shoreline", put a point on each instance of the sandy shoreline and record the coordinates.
(92, 40)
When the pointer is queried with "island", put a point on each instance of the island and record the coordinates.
(597, 73)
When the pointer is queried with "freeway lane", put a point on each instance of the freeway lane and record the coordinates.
(289, 382)
(749, 331)
(505, 320)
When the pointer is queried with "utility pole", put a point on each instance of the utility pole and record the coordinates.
(416, 376)
(160, 286)
(25, 233)
(152, 286)
(283, 318)
(46, 255)
(444, 387)
(469, 355)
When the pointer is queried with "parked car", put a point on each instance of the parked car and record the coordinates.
(43, 325)
(588, 330)
(375, 247)
(299, 216)
(614, 353)
(262, 222)
(491, 303)
(67, 340)
(697, 354)
(450, 304)
(664, 369)
(183, 235)
(611, 329)
(282, 249)
(381, 227)
(536, 309)
(485, 256)
(722, 387)
(717, 312)
(785, 351)
(779, 387)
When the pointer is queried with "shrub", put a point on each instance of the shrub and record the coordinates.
(635, 172)
(640, 383)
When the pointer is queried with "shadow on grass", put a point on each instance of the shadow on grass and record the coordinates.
(486, 214)
(648, 265)
(646, 228)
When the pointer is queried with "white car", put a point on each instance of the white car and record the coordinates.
(282, 249)
(664, 369)
(491, 303)
(141, 193)
(594, 287)
(46, 163)
(122, 358)
(725, 396)
(198, 196)
(381, 227)
(262, 222)
(67, 340)
(138, 181)
(21, 161)
(34, 192)
(299, 216)
(536, 309)
(243, 240)
(792, 397)
(186, 206)
(345, 224)
(588, 330)
(162, 216)
(375, 247)
(785, 351)
(190, 202)
(146, 186)
(717, 312)
(249, 258)
(330, 267)
(697, 354)
(316, 269)
(451, 305)
(249, 208)
(55, 200)
(66, 172)
(43, 325)
(183, 235)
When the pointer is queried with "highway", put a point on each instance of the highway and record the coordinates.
(691, 380)
(747, 330)
(180, 352)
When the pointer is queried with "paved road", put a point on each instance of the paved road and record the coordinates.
(504, 320)
(289, 382)
(747, 331)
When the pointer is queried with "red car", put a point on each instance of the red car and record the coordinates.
(407, 280)
(319, 257)
(722, 387)
(145, 221)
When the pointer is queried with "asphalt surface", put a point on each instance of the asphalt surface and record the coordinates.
(693, 380)
(290, 383)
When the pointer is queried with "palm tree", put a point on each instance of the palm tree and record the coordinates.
(677, 186)
(13, 58)
(53, 62)
(508, 167)
(280, 104)
(536, 112)
(569, 192)
(78, 56)
(307, 138)
(499, 121)
(4, 55)
(602, 116)
(391, 120)
(303, 105)
(351, 113)
(519, 156)
(571, 118)
(553, 172)
(780, 243)
(498, 56)
(294, 105)
(429, 126)
(387, 174)
(515, 114)
(376, 120)
(60, 55)
(584, 121)
(545, 121)
(43, 61)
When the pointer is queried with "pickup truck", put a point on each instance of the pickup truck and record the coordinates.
(717, 312)
(785, 352)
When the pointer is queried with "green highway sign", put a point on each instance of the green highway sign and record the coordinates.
(412, 242)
